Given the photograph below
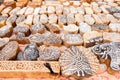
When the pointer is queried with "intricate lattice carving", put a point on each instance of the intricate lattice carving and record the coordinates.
(28, 66)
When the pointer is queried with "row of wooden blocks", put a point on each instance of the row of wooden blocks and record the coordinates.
(22, 3)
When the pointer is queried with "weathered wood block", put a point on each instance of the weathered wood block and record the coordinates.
(28, 69)
(2, 7)
(37, 1)
(29, 20)
(52, 3)
(8, 0)
(21, 3)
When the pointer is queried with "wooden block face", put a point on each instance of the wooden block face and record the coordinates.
(27, 69)
(8, 0)
(22, 0)
(29, 20)
(29, 11)
(36, 0)
(6, 10)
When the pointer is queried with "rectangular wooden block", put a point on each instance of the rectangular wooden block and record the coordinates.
(21, 3)
(29, 11)
(22, 0)
(35, 3)
(6, 10)
(22, 11)
(2, 7)
(52, 3)
(28, 69)
(29, 20)
(8, 0)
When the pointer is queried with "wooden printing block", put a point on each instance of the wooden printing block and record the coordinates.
(52, 18)
(29, 69)
(21, 3)
(92, 38)
(111, 37)
(3, 42)
(9, 3)
(2, 7)
(37, 28)
(31, 4)
(20, 38)
(62, 20)
(20, 19)
(35, 3)
(6, 31)
(53, 28)
(36, 18)
(29, 20)
(22, 11)
(11, 20)
(6, 10)
(3, 19)
(8, 0)
(29, 11)
(14, 11)
(72, 40)
(43, 9)
(52, 3)
(22, 28)
(53, 40)
(59, 9)
(9, 52)
(36, 11)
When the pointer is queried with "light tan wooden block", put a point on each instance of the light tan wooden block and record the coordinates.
(36, 19)
(2, 7)
(8, 0)
(50, 10)
(39, 2)
(22, 0)
(52, 18)
(71, 28)
(14, 11)
(59, 9)
(22, 11)
(88, 38)
(29, 20)
(10, 3)
(21, 3)
(97, 19)
(111, 37)
(36, 11)
(6, 10)
(28, 69)
(3, 19)
(88, 10)
(29, 11)
(43, 10)
(43, 18)
(36, 0)
(52, 3)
